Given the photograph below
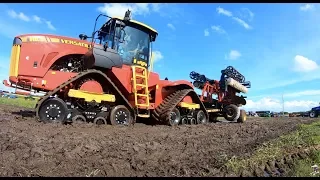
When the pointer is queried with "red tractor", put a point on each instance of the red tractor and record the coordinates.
(106, 80)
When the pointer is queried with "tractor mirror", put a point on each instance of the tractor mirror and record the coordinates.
(83, 37)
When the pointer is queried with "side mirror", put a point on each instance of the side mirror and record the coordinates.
(83, 37)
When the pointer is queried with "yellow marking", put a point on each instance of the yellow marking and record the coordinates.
(139, 23)
(157, 86)
(44, 82)
(139, 62)
(213, 110)
(23, 39)
(89, 96)
(56, 40)
(15, 57)
(53, 72)
(189, 105)
(144, 115)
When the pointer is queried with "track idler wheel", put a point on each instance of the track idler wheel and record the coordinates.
(120, 115)
(100, 120)
(201, 117)
(243, 116)
(174, 118)
(79, 119)
(231, 112)
(53, 110)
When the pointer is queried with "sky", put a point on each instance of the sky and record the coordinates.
(275, 46)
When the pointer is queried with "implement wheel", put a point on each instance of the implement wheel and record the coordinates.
(243, 116)
(53, 110)
(231, 112)
(120, 115)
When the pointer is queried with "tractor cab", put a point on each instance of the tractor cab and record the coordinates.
(130, 39)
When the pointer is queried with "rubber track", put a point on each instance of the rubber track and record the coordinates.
(162, 112)
(79, 75)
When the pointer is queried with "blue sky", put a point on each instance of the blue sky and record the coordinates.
(274, 45)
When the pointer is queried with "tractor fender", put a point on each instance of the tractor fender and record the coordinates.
(62, 54)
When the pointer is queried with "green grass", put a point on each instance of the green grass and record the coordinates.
(19, 102)
(306, 136)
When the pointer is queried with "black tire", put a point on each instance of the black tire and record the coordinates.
(53, 110)
(313, 114)
(100, 120)
(201, 117)
(231, 112)
(120, 115)
(243, 116)
(184, 121)
(174, 118)
(79, 119)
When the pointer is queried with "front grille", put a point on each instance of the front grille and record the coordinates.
(14, 61)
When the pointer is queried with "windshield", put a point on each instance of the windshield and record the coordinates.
(135, 45)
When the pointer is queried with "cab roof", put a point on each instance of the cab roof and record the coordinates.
(153, 31)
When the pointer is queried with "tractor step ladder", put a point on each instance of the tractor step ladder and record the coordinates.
(143, 92)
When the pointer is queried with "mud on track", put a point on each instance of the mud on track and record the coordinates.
(30, 148)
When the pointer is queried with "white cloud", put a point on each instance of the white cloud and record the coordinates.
(16, 15)
(269, 104)
(242, 22)
(303, 64)
(222, 11)
(119, 9)
(233, 55)
(157, 56)
(206, 32)
(171, 26)
(247, 14)
(218, 29)
(50, 26)
(37, 19)
(307, 7)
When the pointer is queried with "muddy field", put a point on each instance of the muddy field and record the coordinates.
(30, 148)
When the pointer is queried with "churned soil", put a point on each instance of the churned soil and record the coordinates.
(31, 148)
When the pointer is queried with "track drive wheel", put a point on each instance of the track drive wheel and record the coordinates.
(231, 112)
(313, 114)
(53, 110)
(243, 116)
(174, 118)
(201, 117)
(120, 115)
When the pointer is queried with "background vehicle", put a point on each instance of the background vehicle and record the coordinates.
(315, 111)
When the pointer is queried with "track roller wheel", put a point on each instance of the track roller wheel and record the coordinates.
(100, 120)
(201, 117)
(120, 115)
(243, 116)
(78, 119)
(231, 112)
(184, 121)
(53, 110)
(174, 118)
